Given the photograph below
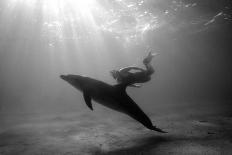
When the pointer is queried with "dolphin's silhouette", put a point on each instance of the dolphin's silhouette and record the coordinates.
(112, 96)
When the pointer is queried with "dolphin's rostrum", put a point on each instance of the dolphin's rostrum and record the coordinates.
(112, 96)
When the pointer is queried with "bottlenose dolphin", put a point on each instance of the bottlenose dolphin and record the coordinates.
(111, 96)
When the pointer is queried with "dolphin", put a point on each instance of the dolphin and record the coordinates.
(111, 96)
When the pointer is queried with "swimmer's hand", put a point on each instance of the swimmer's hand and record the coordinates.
(135, 85)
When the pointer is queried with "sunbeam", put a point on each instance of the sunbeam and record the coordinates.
(73, 31)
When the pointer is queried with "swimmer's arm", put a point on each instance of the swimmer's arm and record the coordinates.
(127, 69)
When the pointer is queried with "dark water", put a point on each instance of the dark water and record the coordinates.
(40, 39)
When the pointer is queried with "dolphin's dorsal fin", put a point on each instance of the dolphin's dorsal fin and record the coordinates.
(87, 98)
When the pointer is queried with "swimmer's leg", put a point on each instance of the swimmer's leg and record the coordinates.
(149, 57)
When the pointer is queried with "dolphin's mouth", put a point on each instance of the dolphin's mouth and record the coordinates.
(63, 77)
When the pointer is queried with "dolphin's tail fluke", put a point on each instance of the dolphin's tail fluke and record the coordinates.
(135, 112)
(157, 129)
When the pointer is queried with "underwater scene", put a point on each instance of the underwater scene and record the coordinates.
(102, 77)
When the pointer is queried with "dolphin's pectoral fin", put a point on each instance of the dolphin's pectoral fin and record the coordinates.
(87, 98)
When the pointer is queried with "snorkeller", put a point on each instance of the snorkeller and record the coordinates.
(125, 76)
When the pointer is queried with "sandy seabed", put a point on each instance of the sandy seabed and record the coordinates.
(190, 131)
